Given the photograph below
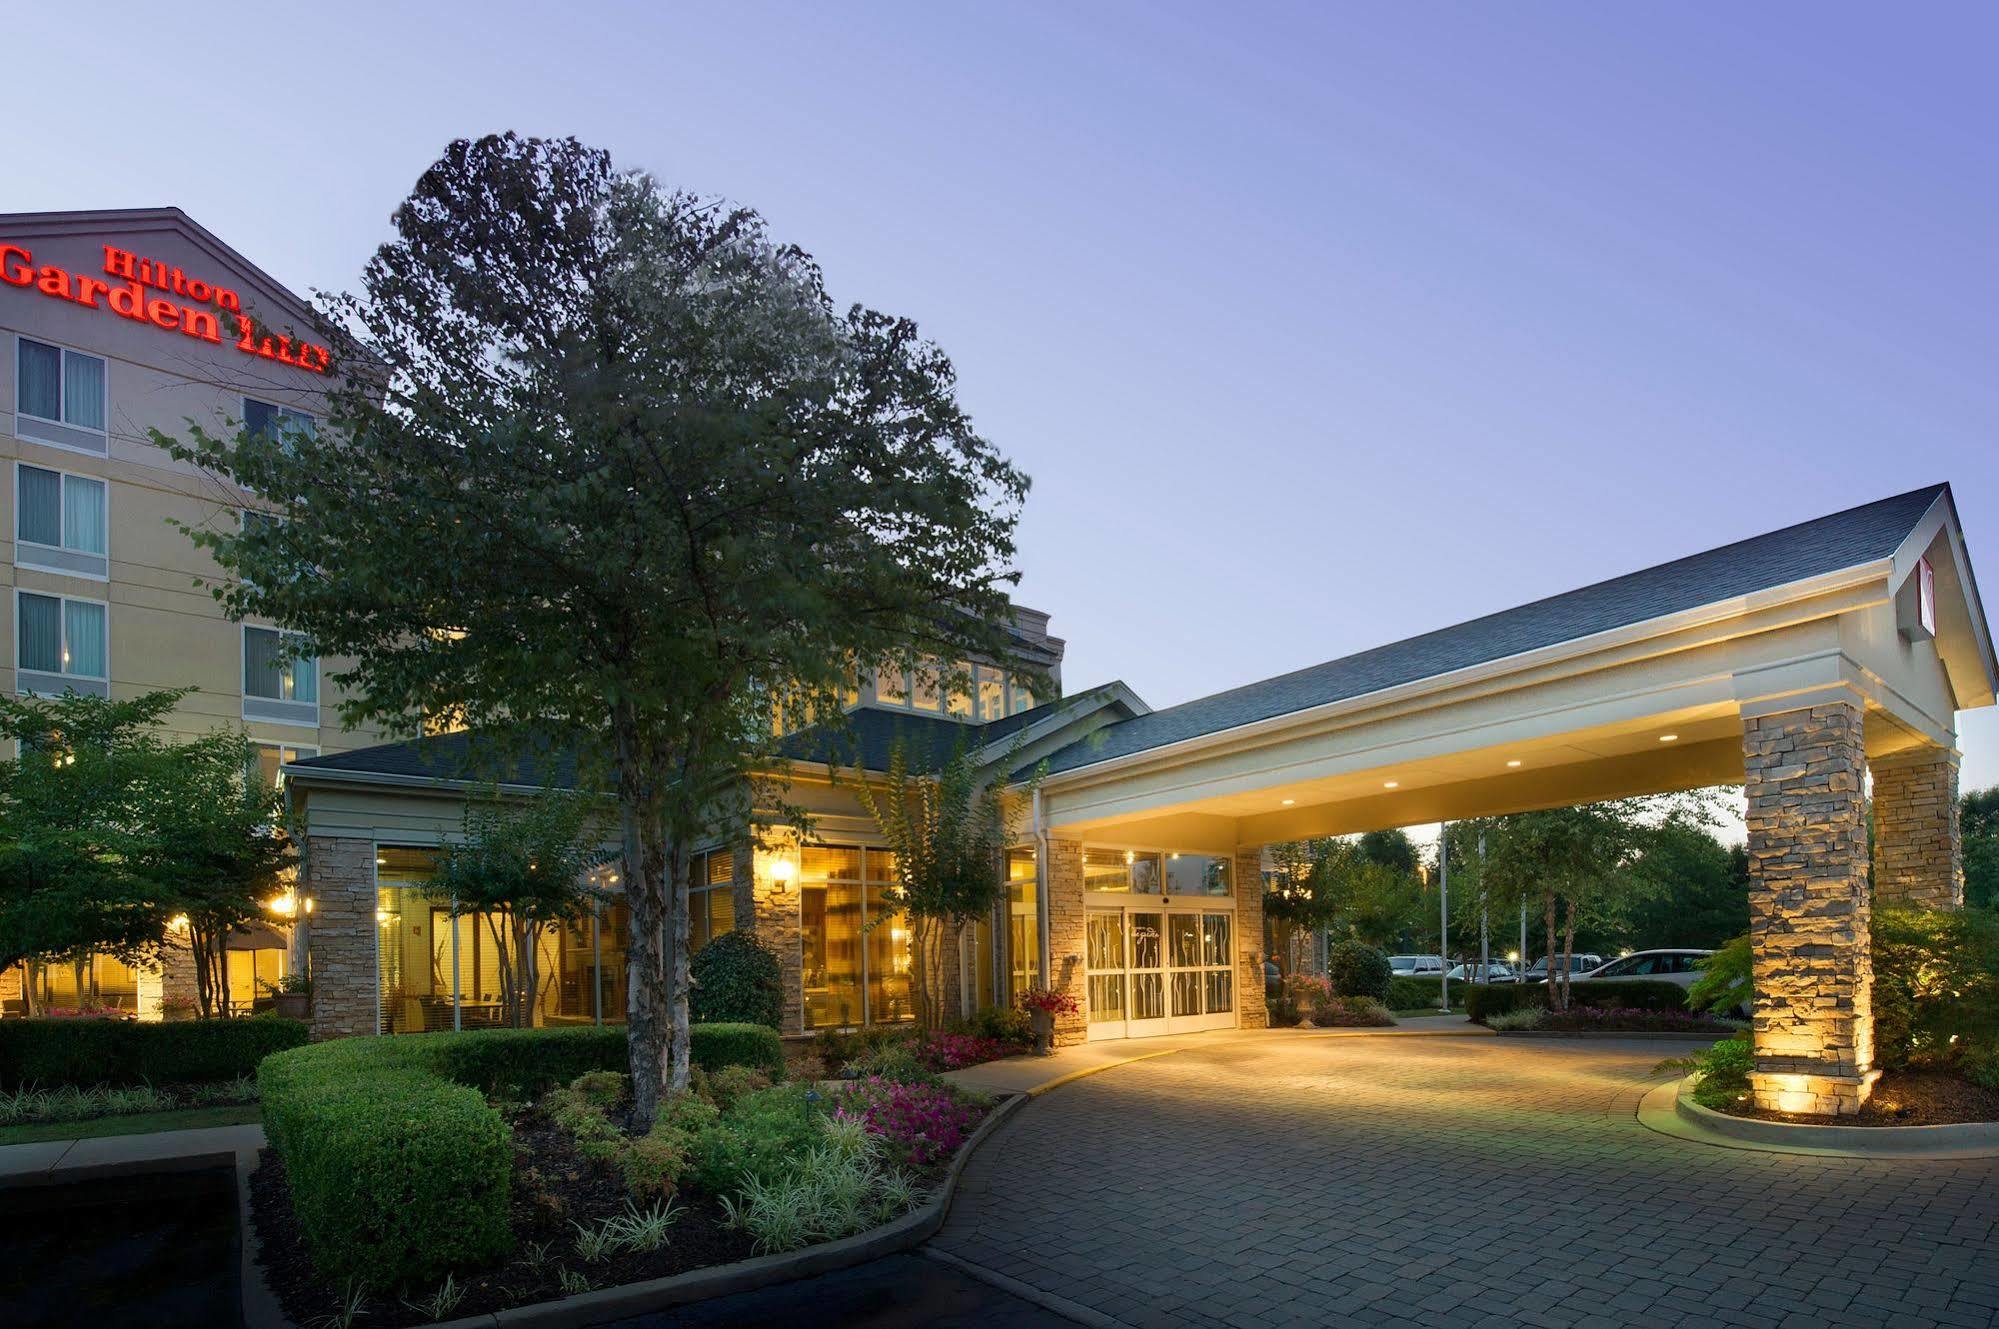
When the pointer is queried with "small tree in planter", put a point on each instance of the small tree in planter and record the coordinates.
(523, 866)
(1042, 1006)
(949, 832)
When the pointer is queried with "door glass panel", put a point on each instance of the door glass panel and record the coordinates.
(1186, 932)
(1145, 941)
(1187, 992)
(1106, 941)
(1106, 997)
(1214, 939)
(829, 898)
(1148, 995)
(1220, 991)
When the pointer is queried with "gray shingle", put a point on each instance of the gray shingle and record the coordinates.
(1827, 544)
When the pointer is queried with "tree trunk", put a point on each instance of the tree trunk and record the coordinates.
(647, 1015)
(1555, 993)
(679, 1045)
(1568, 951)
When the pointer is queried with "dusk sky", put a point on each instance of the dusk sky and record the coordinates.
(1316, 326)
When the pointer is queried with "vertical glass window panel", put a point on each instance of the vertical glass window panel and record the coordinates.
(40, 645)
(892, 688)
(1106, 870)
(413, 931)
(697, 920)
(258, 416)
(1146, 876)
(614, 933)
(1024, 926)
(721, 867)
(1023, 700)
(571, 998)
(1185, 930)
(1187, 992)
(1145, 941)
(992, 694)
(305, 679)
(1219, 985)
(1215, 939)
(1148, 995)
(889, 961)
(83, 517)
(82, 391)
(829, 898)
(262, 670)
(39, 380)
(1105, 940)
(83, 625)
(1106, 998)
(38, 511)
(721, 913)
(929, 691)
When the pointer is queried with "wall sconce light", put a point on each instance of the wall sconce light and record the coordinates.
(308, 904)
(178, 923)
(781, 873)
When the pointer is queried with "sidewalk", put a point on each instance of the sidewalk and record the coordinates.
(1037, 1075)
(158, 1151)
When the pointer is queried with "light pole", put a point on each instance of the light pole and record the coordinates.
(1444, 914)
(1484, 919)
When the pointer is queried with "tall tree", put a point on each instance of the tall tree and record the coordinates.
(606, 468)
(1978, 824)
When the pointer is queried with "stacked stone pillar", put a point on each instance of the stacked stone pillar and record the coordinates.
(1918, 855)
(1251, 1012)
(339, 873)
(1062, 896)
(1809, 909)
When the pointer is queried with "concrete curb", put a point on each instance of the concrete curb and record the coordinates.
(1670, 1110)
(1662, 1035)
(1048, 1301)
(1088, 1071)
(616, 1303)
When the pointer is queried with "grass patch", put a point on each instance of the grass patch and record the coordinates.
(139, 1123)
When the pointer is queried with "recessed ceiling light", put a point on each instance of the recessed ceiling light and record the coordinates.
(1514, 762)
(1667, 738)
(1289, 801)
(1391, 784)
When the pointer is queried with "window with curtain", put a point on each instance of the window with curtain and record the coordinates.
(280, 422)
(60, 385)
(711, 903)
(61, 636)
(271, 670)
(60, 510)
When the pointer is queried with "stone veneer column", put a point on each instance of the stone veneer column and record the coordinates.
(1918, 855)
(177, 971)
(1808, 909)
(339, 877)
(777, 919)
(1251, 1012)
(1062, 896)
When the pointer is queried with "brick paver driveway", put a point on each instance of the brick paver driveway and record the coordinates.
(1283, 1180)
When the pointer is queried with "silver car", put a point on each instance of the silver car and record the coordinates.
(1663, 966)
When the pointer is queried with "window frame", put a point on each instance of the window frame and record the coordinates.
(25, 558)
(273, 710)
(281, 411)
(64, 352)
(99, 681)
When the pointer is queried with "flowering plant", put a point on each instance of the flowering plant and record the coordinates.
(85, 1012)
(920, 1123)
(1047, 999)
(950, 1052)
(177, 1007)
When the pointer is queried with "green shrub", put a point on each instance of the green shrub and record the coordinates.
(1407, 993)
(737, 980)
(756, 1139)
(894, 1061)
(1350, 1012)
(399, 1168)
(715, 1046)
(1483, 1000)
(1007, 1024)
(841, 1048)
(1522, 1017)
(1727, 980)
(1283, 1012)
(1724, 1071)
(1356, 969)
(1936, 988)
(1638, 994)
(730, 1083)
(51, 1053)
(656, 1163)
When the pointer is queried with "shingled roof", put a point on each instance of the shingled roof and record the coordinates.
(1813, 548)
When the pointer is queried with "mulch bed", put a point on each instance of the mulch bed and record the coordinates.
(1902, 1098)
(553, 1186)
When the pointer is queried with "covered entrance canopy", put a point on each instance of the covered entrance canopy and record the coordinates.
(1789, 663)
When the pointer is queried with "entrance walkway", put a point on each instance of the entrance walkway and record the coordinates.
(1263, 1180)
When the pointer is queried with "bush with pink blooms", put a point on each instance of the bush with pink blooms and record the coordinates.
(944, 1051)
(920, 1124)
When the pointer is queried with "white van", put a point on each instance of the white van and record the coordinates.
(1416, 966)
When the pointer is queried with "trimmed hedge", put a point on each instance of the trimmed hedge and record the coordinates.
(1407, 993)
(84, 1052)
(399, 1168)
(1644, 994)
(737, 980)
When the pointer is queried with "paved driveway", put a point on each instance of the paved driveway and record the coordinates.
(1282, 1180)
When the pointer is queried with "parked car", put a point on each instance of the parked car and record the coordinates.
(1499, 972)
(1578, 966)
(1416, 966)
(1665, 966)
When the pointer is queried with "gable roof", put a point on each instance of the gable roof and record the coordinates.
(1810, 549)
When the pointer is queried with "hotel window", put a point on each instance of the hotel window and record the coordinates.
(928, 694)
(270, 760)
(59, 396)
(856, 949)
(711, 898)
(1023, 921)
(59, 522)
(1121, 870)
(61, 645)
(992, 693)
(280, 422)
(892, 688)
(1196, 874)
(278, 685)
(1020, 699)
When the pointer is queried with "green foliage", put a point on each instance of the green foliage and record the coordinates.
(1345, 1012)
(1356, 969)
(1724, 1071)
(1727, 981)
(1407, 992)
(1691, 891)
(1007, 1024)
(1283, 1012)
(521, 1063)
(1485, 1000)
(737, 980)
(1936, 987)
(50, 1053)
(730, 1083)
(1978, 825)
(1343, 885)
(716, 1046)
(1640, 994)
(1522, 1017)
(757, 1138)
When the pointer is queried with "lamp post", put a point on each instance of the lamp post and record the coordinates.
(1444, 914)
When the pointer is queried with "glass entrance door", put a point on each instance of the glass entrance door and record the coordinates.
(1158, 970)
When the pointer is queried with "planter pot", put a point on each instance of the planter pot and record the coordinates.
(1043, 1023)
(292, 1005)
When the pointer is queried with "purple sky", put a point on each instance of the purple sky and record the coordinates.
(1316, 326)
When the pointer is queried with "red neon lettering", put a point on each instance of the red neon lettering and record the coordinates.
(88, 289)
(200, 323)
(55, 282)
(164, 314)
(129, 301)
(119, 263)
(23, 275)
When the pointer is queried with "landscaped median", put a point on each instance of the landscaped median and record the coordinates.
(1624, 1006)
(423, 1178)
